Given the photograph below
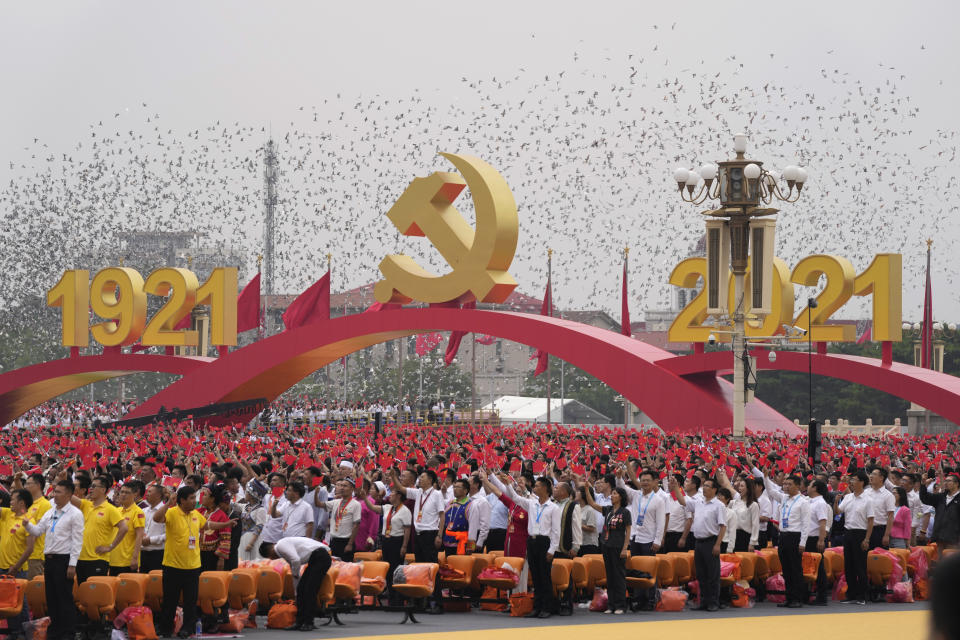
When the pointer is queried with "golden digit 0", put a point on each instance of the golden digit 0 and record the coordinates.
(840, 276)
(781, 304)
(883, 279)
(117, 295)
(181, 286)
(72, 295)
(220, 292)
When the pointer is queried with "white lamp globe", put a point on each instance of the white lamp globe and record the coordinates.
(681, 174)
(801, 175)
(907, 326)
(916, 326)
(708, 171)
(740, 143)
(790, 172)
(693, 178)
(751, 171)
(938, 326)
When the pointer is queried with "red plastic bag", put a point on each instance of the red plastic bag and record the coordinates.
(521, 604)
(418, 574)
(776, 588)
(741, 598)
(693, 588)
(730, 558)
(902, 592)
(36, 629)
(349, 574)
(492, 573)
(672, 599)
(726, 569)
(921, 589)
(489, 593)
(918, 562)
(840, 588)
(599, 602)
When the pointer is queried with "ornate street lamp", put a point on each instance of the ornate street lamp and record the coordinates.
(742, 186)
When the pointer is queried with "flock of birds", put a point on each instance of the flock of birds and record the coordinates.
(588, 151)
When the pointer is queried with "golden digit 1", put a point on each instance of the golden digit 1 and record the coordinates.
(883, 279)
(220, 292)
(117, 295)
(72, 295)
(840, 276)
(181, 285)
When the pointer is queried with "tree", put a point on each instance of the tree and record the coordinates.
(577, 385)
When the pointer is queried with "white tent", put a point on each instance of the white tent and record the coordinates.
(523, 409)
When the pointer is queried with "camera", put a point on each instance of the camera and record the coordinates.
(712, 339)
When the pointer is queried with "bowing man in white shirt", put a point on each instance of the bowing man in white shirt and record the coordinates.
(63, 527)
(793, 516)
(543, 527)
(299, 551)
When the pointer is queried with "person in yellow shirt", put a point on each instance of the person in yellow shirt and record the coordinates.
(181, 558)
(35, 484)
(125, 558)
(16, 545)
(103, 530)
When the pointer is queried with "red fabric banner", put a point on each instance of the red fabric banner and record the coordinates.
(313, 305)
(248, 306)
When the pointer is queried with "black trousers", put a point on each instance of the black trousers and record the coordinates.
(791, 560)
(338, 548)
(59, 593)
(209, 561)
(151, 560)
(115, 571)
(588, 549)
(691, 543)
(708, 571)
(769, 533)
(309, 584)
(496, 540)
(616, 569)
(175, 582)
(823, 591)
(855, 564)
(646, 596)
(425, 551)
(671, 542)
(742, 542)
(89, 568)
(391, 555)
(876, 536)
(540, 572)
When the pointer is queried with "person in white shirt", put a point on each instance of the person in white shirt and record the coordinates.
(297, 514)
(428, 506)
(858, 511)
(543, 527)
(708, 529)
(299, 551)
(885, 505)
(482, 506)
(725, 496)
(571, 533)
(397, 523)
(499, 520)
(345, 518)
(820, 518)
(689, 498)
(676, 516)
(648, 517)
(273, 529)
(792, 516)
(155, 533)
(63, 527)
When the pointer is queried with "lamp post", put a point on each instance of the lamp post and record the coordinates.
(811, 305)
(742, 186)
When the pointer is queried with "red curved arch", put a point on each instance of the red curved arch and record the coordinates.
(23, 389)
(938, 392)
(267, 368)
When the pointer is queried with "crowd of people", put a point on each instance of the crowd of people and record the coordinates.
(82, 502)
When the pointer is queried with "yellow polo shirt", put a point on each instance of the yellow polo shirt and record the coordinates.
(123, 552)
(181, 527)
(34, 513)
(13, 539)
(99, 528)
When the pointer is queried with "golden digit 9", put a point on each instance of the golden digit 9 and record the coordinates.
(119, 295)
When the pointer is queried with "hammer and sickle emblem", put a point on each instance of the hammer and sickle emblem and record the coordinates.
(479, 259)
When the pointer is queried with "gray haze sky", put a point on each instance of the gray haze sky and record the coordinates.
(67, 65)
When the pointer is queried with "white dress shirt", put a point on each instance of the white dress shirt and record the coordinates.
(748, 519)
(155, 531)
(856, 510)
(818, 510)
(63, 529)
(427, 508)
(296, 550)
(296, 516)
(499, 514)
(401, 518)
(482, 507)
(883, 502)
(647, 513)
(708, 517)
(543, 518)
(730, 535)
(793, 511)
(676, 511)
(273, 530)
(348, 517)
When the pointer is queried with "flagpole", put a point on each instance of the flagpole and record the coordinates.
(550, 312)
(345, 360)
(326, 369)
(626, 266)
(927, 344)
(262, 304)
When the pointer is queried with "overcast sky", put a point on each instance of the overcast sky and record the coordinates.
(66, 65)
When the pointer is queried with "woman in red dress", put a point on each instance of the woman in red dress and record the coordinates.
(515, 544)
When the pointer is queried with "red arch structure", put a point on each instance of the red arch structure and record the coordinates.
(26, 388)
(269, 367)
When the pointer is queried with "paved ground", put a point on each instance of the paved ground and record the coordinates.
(901, 621)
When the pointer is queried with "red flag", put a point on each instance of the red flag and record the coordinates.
(248, 306)
(313, 305)
(427, 342)
(546, 309)
(625, 305)
(453, 344)
(926, 333)
(486, 339)
(864, 331)
(382, 306)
